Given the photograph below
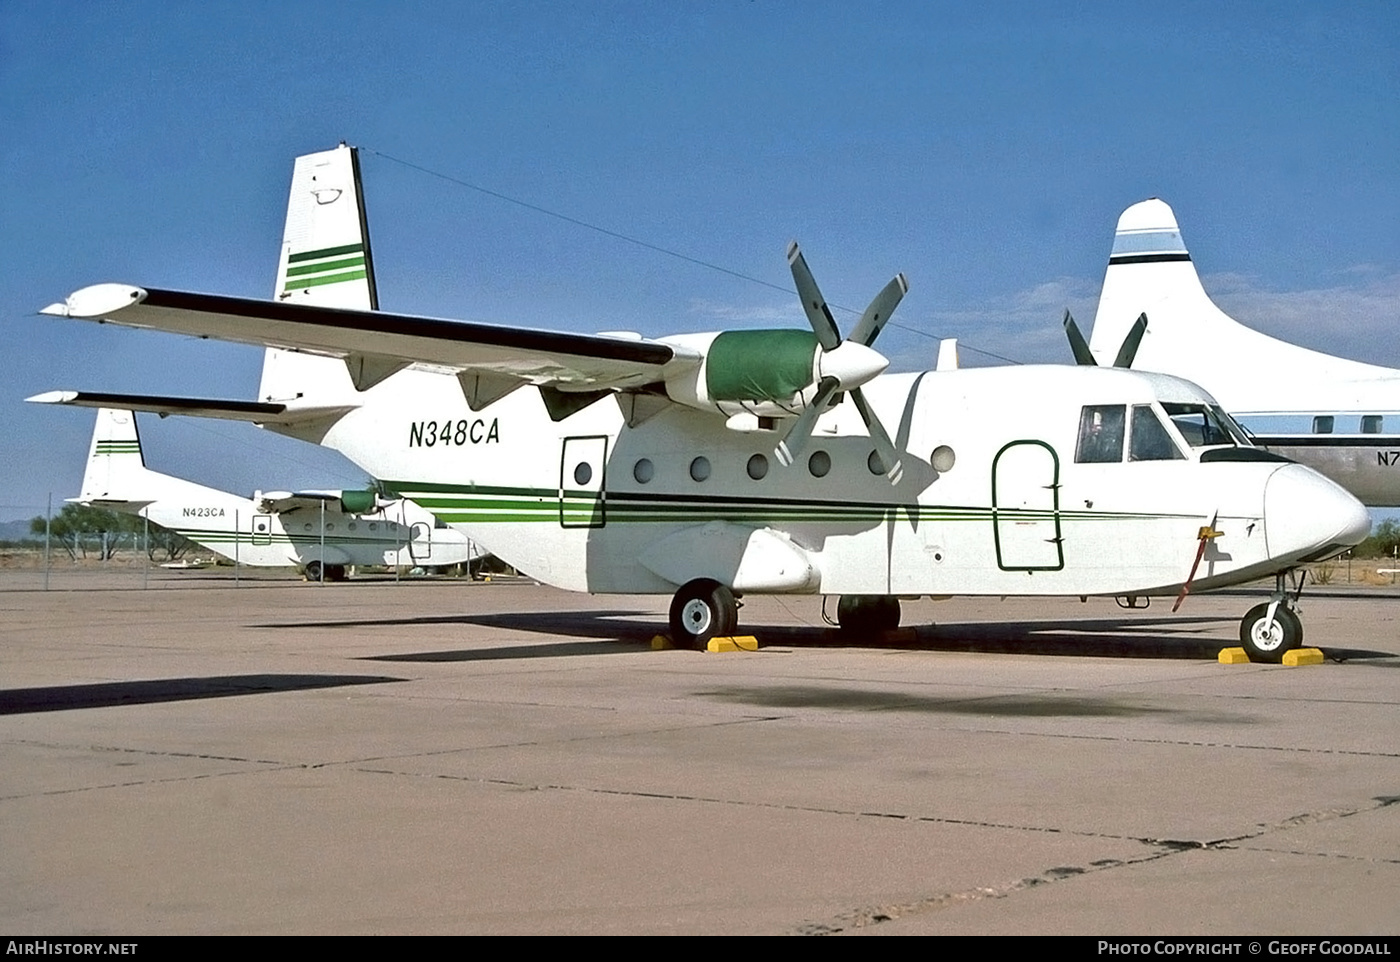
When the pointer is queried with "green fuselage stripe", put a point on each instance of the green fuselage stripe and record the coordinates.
(506, 505)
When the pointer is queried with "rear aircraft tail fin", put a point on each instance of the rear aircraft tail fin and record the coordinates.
(115, 466)
(326, 261)
(1151, 273)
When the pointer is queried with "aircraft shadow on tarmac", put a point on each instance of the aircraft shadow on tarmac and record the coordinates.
(19, 701)
(613, 631)
(1026, 705)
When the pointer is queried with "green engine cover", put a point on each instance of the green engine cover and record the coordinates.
(357, 502)
(759, 365)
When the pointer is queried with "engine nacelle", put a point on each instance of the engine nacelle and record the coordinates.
(768, 373)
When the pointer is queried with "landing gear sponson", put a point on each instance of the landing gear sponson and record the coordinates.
(705, 609)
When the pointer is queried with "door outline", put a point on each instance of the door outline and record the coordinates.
(1007, 515)
(413, 540)
(583, 503)
(262, 530)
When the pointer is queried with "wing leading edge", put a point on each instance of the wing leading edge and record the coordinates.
(388, 342)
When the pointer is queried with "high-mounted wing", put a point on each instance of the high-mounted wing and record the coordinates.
(377, 341)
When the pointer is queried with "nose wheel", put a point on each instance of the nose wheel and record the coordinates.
(1270, 629)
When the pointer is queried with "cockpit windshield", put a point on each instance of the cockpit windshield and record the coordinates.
(1205, 425)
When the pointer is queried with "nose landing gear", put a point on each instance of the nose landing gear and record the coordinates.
(1270, 629)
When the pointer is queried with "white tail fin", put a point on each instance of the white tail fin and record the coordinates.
(325, 261)
(1150, 272)
(115, 467)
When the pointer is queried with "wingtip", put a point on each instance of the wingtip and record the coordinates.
(96, 300)
(53, 397)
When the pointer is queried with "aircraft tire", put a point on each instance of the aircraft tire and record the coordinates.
(1267, 643)
(701, 610)
(312, 571)
(867, 614)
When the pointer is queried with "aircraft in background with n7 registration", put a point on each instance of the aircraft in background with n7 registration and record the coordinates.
(1337, 416)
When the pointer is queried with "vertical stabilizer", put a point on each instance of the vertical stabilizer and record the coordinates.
(1150, 272)
(326, 261)
(115, 466)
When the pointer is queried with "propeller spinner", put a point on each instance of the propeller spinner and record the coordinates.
(843, 365)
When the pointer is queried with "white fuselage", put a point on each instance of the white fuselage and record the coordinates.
(590, 504)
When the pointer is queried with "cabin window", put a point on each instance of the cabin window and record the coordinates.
(875, 463)
(583, 473)
(1371, 423)
(352, 526)
(1150, 440)
(643, 471)
(373, 526)
(1323, 424)
(1101, 429)
(700, 469)
(819, 464)
(758, 467)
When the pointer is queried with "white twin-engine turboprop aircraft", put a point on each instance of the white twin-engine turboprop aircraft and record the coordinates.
(322, 532)
(748, 462)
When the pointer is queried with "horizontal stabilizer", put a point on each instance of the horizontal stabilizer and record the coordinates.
(224, 410)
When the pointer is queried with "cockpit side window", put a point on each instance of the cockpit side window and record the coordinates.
(1204, 426)
(1101, 430)
(1150, 440)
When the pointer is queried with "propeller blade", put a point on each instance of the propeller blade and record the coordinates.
(879, 311)
(1077, 344)
(796, 439)
(889, 456)
(818, 314)
(1129, 350)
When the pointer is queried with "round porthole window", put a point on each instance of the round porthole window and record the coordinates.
(700, 469)
(583, 473)
(643, 471)
(758, 467)
(819, 464)
(875, 463)
(943, 458)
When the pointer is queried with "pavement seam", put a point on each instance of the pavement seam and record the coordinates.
(874, 915)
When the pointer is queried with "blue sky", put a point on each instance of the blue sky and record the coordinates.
(985, 150)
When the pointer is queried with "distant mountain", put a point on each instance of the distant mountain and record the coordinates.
(16, 531)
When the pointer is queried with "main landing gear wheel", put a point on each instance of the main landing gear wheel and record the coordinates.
(867, 614)
(701, 610)
(1266, 640)
(313, 571)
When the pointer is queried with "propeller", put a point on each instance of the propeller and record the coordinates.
(1126, 352)
(843, 365)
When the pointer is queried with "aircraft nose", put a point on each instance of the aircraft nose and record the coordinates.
(1305, 513)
